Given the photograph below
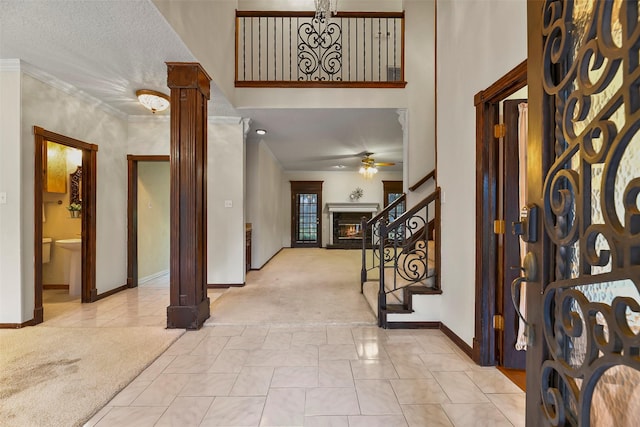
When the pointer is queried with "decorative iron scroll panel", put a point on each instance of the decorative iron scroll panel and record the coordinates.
(592, 213)
(319, 50)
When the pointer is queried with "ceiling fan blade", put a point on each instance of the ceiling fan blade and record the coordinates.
(385, 164)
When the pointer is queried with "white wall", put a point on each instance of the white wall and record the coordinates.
(265, 209)
(154, 208)
(336, 188)
(56, 111)
(225, 181)
(478, 42)
(11, 243)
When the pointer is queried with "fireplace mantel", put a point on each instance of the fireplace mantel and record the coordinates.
(353, 207)
(349, 207)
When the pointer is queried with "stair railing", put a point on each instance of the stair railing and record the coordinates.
(371, 237)
(403, 246)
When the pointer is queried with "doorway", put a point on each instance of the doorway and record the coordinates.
(133, 212)
(80, 188)
(498, 204)
(306, 218)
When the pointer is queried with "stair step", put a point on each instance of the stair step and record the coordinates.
(398, 309)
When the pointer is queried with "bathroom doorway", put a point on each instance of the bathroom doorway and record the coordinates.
(148, 208)
(78, 189)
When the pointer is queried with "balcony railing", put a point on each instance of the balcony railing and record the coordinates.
(293, 49)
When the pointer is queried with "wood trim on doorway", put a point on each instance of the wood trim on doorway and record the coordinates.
(487, 114)
(89, 292)
(132, 213)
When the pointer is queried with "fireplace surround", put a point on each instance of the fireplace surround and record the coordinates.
(345, 223)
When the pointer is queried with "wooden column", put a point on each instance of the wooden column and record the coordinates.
(189, 305)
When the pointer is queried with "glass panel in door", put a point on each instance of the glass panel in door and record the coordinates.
(307, 218)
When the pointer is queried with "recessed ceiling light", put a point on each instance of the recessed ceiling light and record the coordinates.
(261, 131)
(340, 166)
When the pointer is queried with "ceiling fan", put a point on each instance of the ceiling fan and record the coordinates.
(368, 161)
(370, 167)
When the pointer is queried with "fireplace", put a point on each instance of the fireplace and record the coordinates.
(345, 223)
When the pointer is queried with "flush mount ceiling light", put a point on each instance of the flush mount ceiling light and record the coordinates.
(261, 131)
(153, 100)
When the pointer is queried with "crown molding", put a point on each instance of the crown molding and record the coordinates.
(224, 120)
(10, 65)
(139, 118)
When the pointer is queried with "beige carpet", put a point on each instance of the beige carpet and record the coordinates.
(301, 286)
(62, 376)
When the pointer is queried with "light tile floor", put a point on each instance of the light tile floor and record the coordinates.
(315, 376)
(268, 373)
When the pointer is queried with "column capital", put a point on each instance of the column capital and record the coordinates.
(188, 75)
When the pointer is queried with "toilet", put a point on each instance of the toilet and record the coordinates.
(46, 249)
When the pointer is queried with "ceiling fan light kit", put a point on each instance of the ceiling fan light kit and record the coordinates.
(369, 166)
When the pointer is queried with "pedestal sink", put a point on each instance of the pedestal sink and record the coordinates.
(75, 266)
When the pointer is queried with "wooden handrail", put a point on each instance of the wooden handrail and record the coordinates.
(311, 14)
(386, 210)
(408, 214)
(426, 178)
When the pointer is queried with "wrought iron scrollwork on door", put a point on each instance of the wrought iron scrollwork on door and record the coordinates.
(591, 212)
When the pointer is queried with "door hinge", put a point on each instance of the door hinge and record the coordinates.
(499, 226)
(499, 130)
(498, 322)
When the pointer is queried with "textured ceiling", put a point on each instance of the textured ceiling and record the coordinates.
(107, 49)
(110, 48)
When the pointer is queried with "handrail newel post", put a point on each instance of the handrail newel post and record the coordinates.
(382, 297)
(363, 271)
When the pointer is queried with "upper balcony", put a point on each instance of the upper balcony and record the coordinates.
(294, 49)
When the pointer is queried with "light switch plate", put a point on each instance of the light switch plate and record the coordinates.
(228, 204)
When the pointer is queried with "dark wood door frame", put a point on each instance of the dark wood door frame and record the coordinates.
(487, 104)
(306, 187)
(132, 213)
(89, 292)
(509, 356)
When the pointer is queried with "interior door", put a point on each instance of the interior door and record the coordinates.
(513, 252)
(306, 209)
(583, 363)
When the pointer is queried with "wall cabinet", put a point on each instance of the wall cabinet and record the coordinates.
(55, 168)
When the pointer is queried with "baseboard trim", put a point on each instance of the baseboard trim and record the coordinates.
(268, 261)
(111, 292)
(466, 348)
(150, 277)
(31, 322)
(51, 287)
(413, 325)
(224, 285)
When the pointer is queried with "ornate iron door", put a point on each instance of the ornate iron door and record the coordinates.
(583, 362)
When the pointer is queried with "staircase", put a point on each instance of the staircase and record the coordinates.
(401, 257)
